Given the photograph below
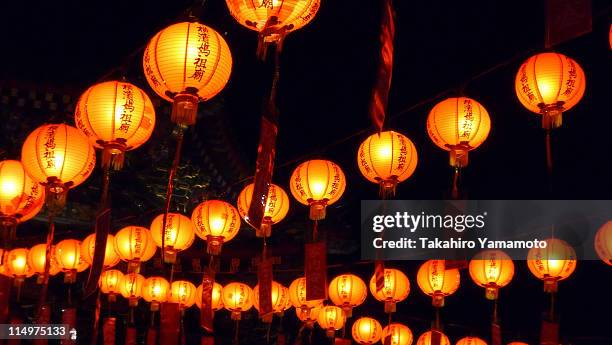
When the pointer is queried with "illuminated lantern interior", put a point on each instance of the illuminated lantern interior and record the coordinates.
(237, 297)
(88, 247)
(603, 243)
(70, 259)
(182, 292)
(215, 297)
(396, 288)
(436, 281)
(347, 291)
(276, 207)
(178, 234)
(155, 291)
(425, 338)
(134, 244)
(21, 197)
(551, 264)
(366, 331)
(491, 269)
(297, 296)
(397, 334)
(216, 222)
(331, 319)
(130, 287)
(109, 283)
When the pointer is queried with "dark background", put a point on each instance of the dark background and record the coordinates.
(328, 68)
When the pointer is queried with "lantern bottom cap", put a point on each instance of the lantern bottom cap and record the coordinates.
(185, 109)
(317, 209)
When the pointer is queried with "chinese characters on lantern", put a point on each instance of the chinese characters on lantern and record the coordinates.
(203, 52)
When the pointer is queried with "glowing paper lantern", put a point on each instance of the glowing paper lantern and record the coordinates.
(182, 292)
(131, 287)
(387, 158)
(331, 319)
(551, 264)
(178, 234)
(517, 343)
(317, 183)
(471, 341)
(458, 125)
(134, 244)
(88, 246)
(436, 281)
(279, 296)
(396, 288)
(309, 317)
(155, 291)
(277, 206)
(366, 331)
(237, 297)
(36, 260)
(549, 84)
(116, 117)
(215, 298)
(185, 63)
(425, 338)
(21, 198)
(110, 281)
(397, 334)
(603, 243)
(216, 222)
(297, 296)
(70, 259)
(347, 291)
(491, 269)
(17, 264)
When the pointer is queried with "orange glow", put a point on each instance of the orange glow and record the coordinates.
(88, 247)
(396, 288)
(237, 297)
(70, 160)
(216, 302)
(277, 203)
(366, 331)
(21, 198)
(317, 183)
(134, 243)
(347, 291)
(310, 315)
(290, 14)
(182, 292)
(279, 296)
(216, 222)
(425, 339)
(331, 319)
(178, 234)
(155, 290)
(69, 256)
(517, 343)
(397, 334)
(603, 243)
(17, 263)
(491, 269)
(297, 296)
(130, 287)
(110, 281)
(436, 281)
(471, 341)
(551, 264)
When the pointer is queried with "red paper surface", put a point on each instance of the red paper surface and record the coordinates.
(102, 230)
(69, 318)
(380, 94)
(130, 336)
(14, 321)
(151, 336)
(315, 267)
(379, 272)
(264, 277)
(5, 294)
(549, 334)
(340, 341)
(169, 325)
(43, 318)
(435, 337)
(108, 330)
(207, 340)
(495, 334)
(206, 312)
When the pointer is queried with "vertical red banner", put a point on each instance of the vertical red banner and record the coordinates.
(379, 272)
(207, 340)
(436, 337)
(43, 318)
(130, 336)
(151, 336)
(169, 324)
(496, 334)
(206, 312)
(315, 267)
(69, 318)
(549, 335)
(102, 229)
(280, 339)
(340, 341)
(566, 20)
(14, 321)
(109, 330)
(5, 294)
(264, 277)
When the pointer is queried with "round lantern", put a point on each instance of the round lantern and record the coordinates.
(396, 288)
(130, 287)
(331, 319)
(603, 243)
(70, 259)
(21, 198)
(237, 297)
(277, 206)
(182, 292)
(397, 334)
(279, 295)
(215, 298)
(317, 183)
(517, 343)
(387, 158)
(177, 236)
(347, 291)
(216, 222)
(425, 338)
(110, 281)
(551, 264)
(310, 316)
(116, 117)
(273, 18)
(549, 84)
(155, 291)
(458, 125)
(36, 260)
(60, 157)
(297, 296)
(134, 244)
(491, 269)
(185, 63)
(17, 264)
(366, 331)
(471, 341)
(88, 247)
(436, 281)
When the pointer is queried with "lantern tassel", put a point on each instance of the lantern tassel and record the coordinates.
(180, 134)
(549, 159)
(185, 108)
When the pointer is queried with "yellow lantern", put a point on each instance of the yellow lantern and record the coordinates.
(273, 18)
(436, 281)
(425, 338)
(155, 291)
(277, 206)
(279, 296)
(396, 288)
(36, 260)
(397, 334)
(387, 158)
(237, 297)
(297, 296)
(130, 287)
(491, 269)
(70, 259)
(60, 157)
(215, 298)
(88, 247)
(471, 341)
(134, 244)
(331, 319)
(17, 264)
(366, 331)
(185, 63)
(110, 281)
(347, 291)
(116, 117)
(178, 234)
(458, 125)
(603, 243)
(317, 183)
(549, 84)
(216, 222)
(182, 292)
(551, 264)
(21, 198)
